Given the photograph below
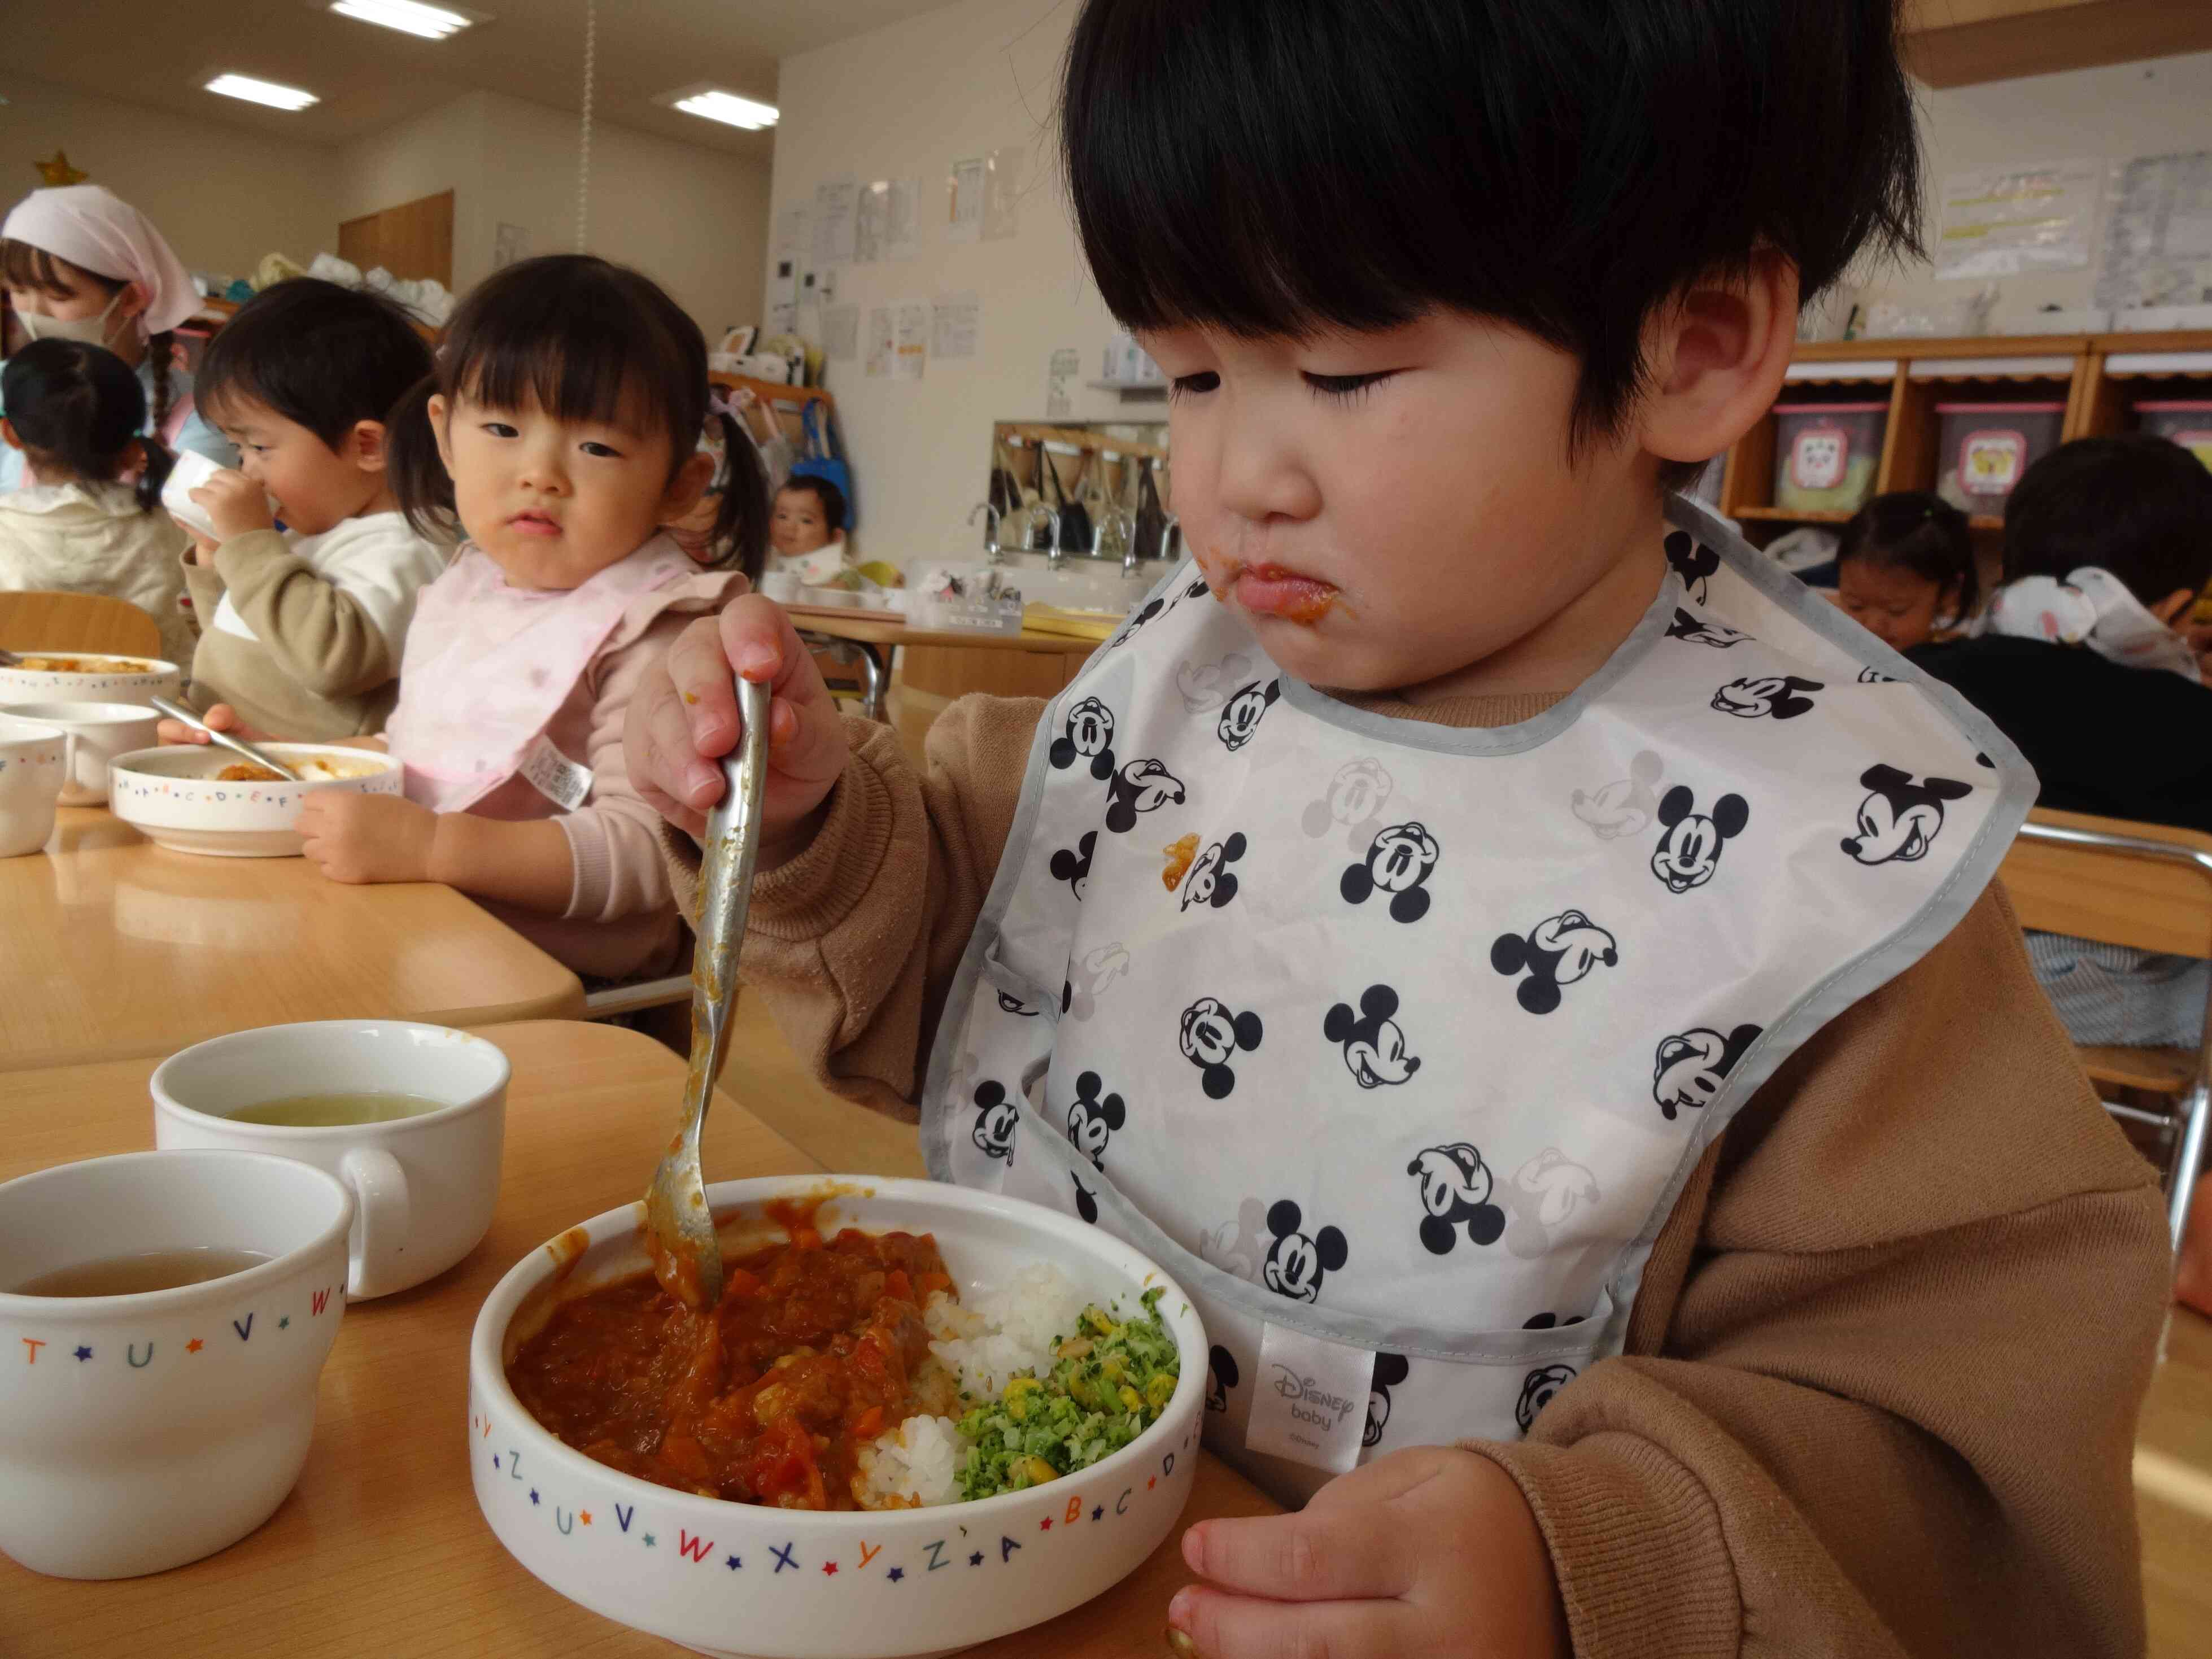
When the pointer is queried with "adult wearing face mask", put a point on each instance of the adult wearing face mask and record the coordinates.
(79, 263)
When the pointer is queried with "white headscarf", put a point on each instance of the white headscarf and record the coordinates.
(2091, 607)
(98, 231)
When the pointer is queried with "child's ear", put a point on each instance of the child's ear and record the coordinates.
(1717, 354)
(7, 432)
(365, 446)
(689, 484)
(439, 412)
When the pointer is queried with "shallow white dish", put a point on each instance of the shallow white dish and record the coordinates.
(172, 795)
(840, 598)
(742, 1579)
(146, 678)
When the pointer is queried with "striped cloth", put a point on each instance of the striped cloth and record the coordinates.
(2112, 994)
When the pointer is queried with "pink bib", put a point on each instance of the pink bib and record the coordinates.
(488, 666)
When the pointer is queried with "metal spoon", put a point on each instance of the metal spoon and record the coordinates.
(686, 1257)
(177, 711)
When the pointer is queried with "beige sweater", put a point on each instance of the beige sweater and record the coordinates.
(303, 636)
(1879, 1389)
(95, 539)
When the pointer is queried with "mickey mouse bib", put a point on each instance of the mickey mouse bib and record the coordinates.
(1395, 1044)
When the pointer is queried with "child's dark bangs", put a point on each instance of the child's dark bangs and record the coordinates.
(586, 374)
(1567, 166)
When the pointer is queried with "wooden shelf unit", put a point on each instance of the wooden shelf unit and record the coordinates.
(2097, 403)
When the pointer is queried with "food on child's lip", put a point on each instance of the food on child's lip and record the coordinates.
(844, 1373)
(1284, 593)
(316, 768)
(80, 665)
(1180, 854)
(134, 1275)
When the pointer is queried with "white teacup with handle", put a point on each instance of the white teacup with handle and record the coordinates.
(424, 1181)
(34, 763)
(98, 733)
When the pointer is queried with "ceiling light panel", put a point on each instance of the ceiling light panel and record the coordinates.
(430, 22)
(727, 107)
(262, 92)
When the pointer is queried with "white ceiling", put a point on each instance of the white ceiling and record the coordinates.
(160, 52)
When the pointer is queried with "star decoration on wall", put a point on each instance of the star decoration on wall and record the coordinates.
(84, 1353)
(896, 1574)
(194, 1345)
(56, 170)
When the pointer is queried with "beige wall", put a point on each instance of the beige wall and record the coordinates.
(2111, 113)
(222, 195)
(907, 101)
(693, 218)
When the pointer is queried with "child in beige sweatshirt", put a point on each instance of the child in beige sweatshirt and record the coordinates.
(1522, 966)
(302, 629)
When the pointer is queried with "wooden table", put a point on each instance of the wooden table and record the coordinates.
(380, 1547)
(116, 948)
(875, 635)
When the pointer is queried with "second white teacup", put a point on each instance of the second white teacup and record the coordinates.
(424, 1184)
(103, 731)
(34, 762)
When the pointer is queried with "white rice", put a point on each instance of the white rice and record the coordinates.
(984, 1342)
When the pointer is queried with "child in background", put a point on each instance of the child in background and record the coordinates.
(559, 427)
(1906, 568)
(806, 534)
(301, 631)
(79, 263)
(76, 414)
(1574, 986)
(2107, 541)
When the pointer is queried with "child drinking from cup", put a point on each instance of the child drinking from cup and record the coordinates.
(90, 520)
(1526, 967)
(1905, 569)
(558, 427)
(302, 629)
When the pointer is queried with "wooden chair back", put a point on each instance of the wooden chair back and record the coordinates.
(2145, 886)
(42, 621)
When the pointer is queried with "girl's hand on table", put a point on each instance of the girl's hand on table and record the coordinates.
(1428, 1553)
(684, 718)
(221, 718)
(359, 839)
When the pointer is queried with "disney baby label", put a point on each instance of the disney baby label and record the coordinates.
(1310, 1405)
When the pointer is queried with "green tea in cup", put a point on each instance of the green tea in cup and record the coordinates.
(336, 1111)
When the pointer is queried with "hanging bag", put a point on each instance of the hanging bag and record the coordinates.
(821, 459)
(1152, 516)
(1076, 530)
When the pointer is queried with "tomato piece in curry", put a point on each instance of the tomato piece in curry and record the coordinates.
(811, 1353)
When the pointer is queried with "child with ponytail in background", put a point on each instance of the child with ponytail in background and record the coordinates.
(88, 517)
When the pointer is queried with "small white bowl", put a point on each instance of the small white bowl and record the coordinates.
(102, 730)
(737, 1579)
(172, 795)
(146, 678)
(835, 597)
(140, 1432)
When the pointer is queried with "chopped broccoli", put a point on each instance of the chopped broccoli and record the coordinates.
(1110, 1381)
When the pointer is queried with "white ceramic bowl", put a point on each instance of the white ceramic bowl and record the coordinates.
(424, 1186)
(172, 794)
(140, 1432)
(743, 1579)
(845, 598)
(103, 731)
(148, 678)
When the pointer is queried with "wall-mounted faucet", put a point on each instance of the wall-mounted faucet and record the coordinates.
(1050, 520)
(1170, 528)
(992, 552)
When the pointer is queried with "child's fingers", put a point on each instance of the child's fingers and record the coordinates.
(672, 760)
(1306, 1556)
(1225, 1626)
(221, 718)
(178, 732)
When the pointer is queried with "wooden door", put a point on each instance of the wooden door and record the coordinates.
(413, 240)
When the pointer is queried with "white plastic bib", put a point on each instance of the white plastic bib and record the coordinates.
(1413, 1058)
